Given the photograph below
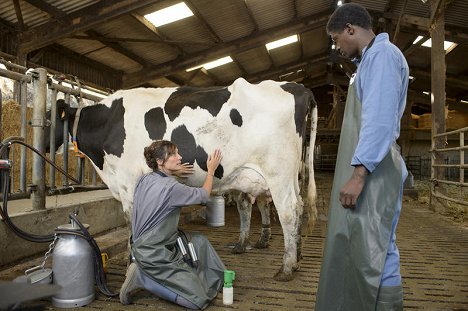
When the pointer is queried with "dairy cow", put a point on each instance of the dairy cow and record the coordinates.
(260, 129)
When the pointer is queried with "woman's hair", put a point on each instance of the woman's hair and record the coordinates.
(349, 13)
(158, 150)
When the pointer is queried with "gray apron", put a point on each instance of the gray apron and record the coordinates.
(157, 255)
(357, 240)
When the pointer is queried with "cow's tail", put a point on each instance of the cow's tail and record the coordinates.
(311, 188)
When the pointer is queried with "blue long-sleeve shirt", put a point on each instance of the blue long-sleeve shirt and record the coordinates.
(381, 83)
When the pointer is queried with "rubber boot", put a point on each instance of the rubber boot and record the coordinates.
(390, 298)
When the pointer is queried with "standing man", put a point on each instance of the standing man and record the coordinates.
(361, 262)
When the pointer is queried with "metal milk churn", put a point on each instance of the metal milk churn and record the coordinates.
(73, 268)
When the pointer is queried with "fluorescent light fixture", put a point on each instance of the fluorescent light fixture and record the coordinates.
(417, 39)
(426, 93)
(213, 64)
(281, 42)
(464, 101)
(447, 44)
(339, 3)
(170, 14)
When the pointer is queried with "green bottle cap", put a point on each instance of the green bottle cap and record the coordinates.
(229, 276)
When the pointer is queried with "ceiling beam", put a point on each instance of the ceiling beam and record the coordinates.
(117, 47)
(80, 20)
(155, 32)
(197, 13)
(19, 14)
(451, 81)
(49, 9)
(273, 73)
(222, 49)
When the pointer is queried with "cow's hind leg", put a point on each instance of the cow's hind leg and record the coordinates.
(265, 236)
(244, 206)
(287, 214)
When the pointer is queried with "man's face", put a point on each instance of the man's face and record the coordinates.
(345, 42)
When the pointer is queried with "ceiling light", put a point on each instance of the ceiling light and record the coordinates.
(448, 46)
(339, 3)
(281, 42)
(170, 14)
(464, 101)
(333, 46)
(213, 64)
(417, 39)
(426, 93)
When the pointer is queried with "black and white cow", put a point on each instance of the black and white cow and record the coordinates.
(260, 129)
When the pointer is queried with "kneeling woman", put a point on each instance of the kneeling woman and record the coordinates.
(160, 266)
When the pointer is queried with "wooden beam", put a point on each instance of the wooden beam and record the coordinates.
(155, 32)
(79, 21)
(19, 14)
(438, 81)
(453, 81)
(197, 13)
(397, 30)
(237, 46)
(272, 73)
(49, 9)
(117, 47)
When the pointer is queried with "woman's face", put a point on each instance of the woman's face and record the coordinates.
(172, 163)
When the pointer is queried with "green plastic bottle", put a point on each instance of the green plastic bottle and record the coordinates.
(228, 290)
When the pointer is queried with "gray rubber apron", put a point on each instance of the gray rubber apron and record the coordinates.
(358, 239)
(156, 254)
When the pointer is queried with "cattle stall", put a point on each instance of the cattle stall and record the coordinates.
(37, 90)
(433, 262)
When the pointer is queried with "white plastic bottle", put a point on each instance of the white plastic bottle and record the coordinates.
(228, 290)
(228, 295)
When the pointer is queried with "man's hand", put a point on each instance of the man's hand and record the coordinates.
(353, 188)
(185, 170)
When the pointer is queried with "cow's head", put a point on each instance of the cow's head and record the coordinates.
(64, 112)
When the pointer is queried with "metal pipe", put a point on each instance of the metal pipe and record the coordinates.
(15, 75)
(23, 133)
(65, 142)
(67, 90)
(53, 126)
(12, 65)
(38, 123)
(464, 129)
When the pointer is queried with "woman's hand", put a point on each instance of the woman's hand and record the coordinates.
(213, 161)
(184, 170)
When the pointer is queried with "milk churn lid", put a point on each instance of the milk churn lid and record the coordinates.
(71, 227)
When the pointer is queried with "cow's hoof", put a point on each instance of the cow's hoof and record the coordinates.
(261, 244)
(283, 277)
(238, 249)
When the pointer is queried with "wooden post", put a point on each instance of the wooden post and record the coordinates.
(438, 70)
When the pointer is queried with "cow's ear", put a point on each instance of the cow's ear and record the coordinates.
(62, 109)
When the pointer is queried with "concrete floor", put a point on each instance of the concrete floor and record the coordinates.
(434, 263)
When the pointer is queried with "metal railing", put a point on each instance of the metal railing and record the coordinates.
(461, 167)
(42, 85)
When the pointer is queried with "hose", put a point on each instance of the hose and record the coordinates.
(5, 175)
(99, 275)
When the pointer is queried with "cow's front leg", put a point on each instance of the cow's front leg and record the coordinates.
(245, 210)
(265, 236)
